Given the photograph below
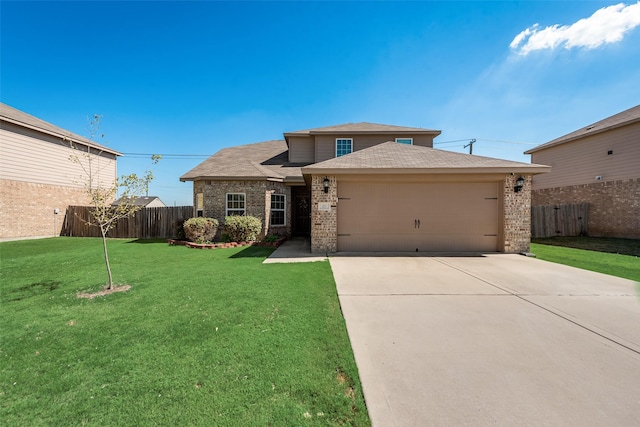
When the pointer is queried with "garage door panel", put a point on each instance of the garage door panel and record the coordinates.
(375, 216)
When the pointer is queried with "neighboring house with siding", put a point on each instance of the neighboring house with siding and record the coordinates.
(38, 181)
(600, 165)
(370, 187)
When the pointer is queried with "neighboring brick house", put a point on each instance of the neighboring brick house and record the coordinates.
(38, 181)
(370, 187)
(600, 165)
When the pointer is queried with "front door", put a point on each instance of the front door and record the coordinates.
(301, 211)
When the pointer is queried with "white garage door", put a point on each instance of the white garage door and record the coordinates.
(378, 216)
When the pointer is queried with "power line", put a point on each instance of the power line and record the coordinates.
(508, 142)
(450, 142)
(168, 155)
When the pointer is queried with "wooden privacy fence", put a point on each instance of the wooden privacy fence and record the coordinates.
(559, 220)
(147, 223)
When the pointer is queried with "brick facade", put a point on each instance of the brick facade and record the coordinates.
(516, 218)
(27, 209)
(614, 206)
(257, 199)
(324, 224)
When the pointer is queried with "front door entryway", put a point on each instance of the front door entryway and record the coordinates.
(301, 215)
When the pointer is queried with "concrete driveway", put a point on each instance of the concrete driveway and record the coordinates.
(491, 340)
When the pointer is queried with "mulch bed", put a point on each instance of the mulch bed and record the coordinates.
(174, 242)
(103, 292)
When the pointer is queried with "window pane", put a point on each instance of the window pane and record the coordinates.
(278, 204)
(277, 217)
(277, 201)
(235, 204)
(343, 146)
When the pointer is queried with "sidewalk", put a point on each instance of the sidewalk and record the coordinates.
(297, 249)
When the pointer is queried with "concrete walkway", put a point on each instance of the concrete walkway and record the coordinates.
(491, 340)
(297, 249)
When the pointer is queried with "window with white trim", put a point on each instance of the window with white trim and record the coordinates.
(235, 204)
(344, 146)
(278, 209)
(408, 141)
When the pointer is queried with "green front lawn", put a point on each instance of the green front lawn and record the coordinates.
(596, 254)
(204, 337)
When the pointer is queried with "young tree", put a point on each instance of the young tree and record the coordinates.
(102, 193)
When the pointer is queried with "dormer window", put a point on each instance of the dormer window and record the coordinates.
(408, 141)
(344, 146)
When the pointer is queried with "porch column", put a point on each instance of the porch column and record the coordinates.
(517, 215)
(324, 215)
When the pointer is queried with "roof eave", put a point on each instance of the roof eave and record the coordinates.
(86, 143)
(563, 140)
(365, 132)
(533, 170)
(230, 178)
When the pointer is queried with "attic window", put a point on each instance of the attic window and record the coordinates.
(408, 141)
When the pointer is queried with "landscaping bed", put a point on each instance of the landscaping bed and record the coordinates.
(226, 245)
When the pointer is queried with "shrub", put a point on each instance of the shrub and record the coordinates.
(178, 229)
(200, 229)
(242, 228)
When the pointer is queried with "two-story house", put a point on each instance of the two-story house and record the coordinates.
(38, 181)
(598, 164)
(370, 187)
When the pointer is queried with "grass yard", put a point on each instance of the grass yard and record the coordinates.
(204, 337)
(617, 257)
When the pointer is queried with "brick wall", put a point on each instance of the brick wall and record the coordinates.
(516, 215)
(27, 209)
(257, 198)
(324, 224)
(614, 206)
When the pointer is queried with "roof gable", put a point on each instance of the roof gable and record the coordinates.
(20, 118)
(392, 157)
(626, 117)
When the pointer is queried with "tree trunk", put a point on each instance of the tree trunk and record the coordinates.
(106, 257)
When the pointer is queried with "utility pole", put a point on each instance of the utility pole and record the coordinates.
(470, 145)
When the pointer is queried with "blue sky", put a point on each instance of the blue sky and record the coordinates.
(191, 78)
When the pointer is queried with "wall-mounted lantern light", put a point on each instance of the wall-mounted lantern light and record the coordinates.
(519, 184)
(325, 184)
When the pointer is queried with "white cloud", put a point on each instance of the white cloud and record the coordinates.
(606, 25)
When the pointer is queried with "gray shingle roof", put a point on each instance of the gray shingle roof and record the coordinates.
(391, 157)
(13, 115)
(624, 118)
(139, 201)
(361, 128)
(262, 160)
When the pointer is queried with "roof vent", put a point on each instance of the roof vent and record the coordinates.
(590, 127)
